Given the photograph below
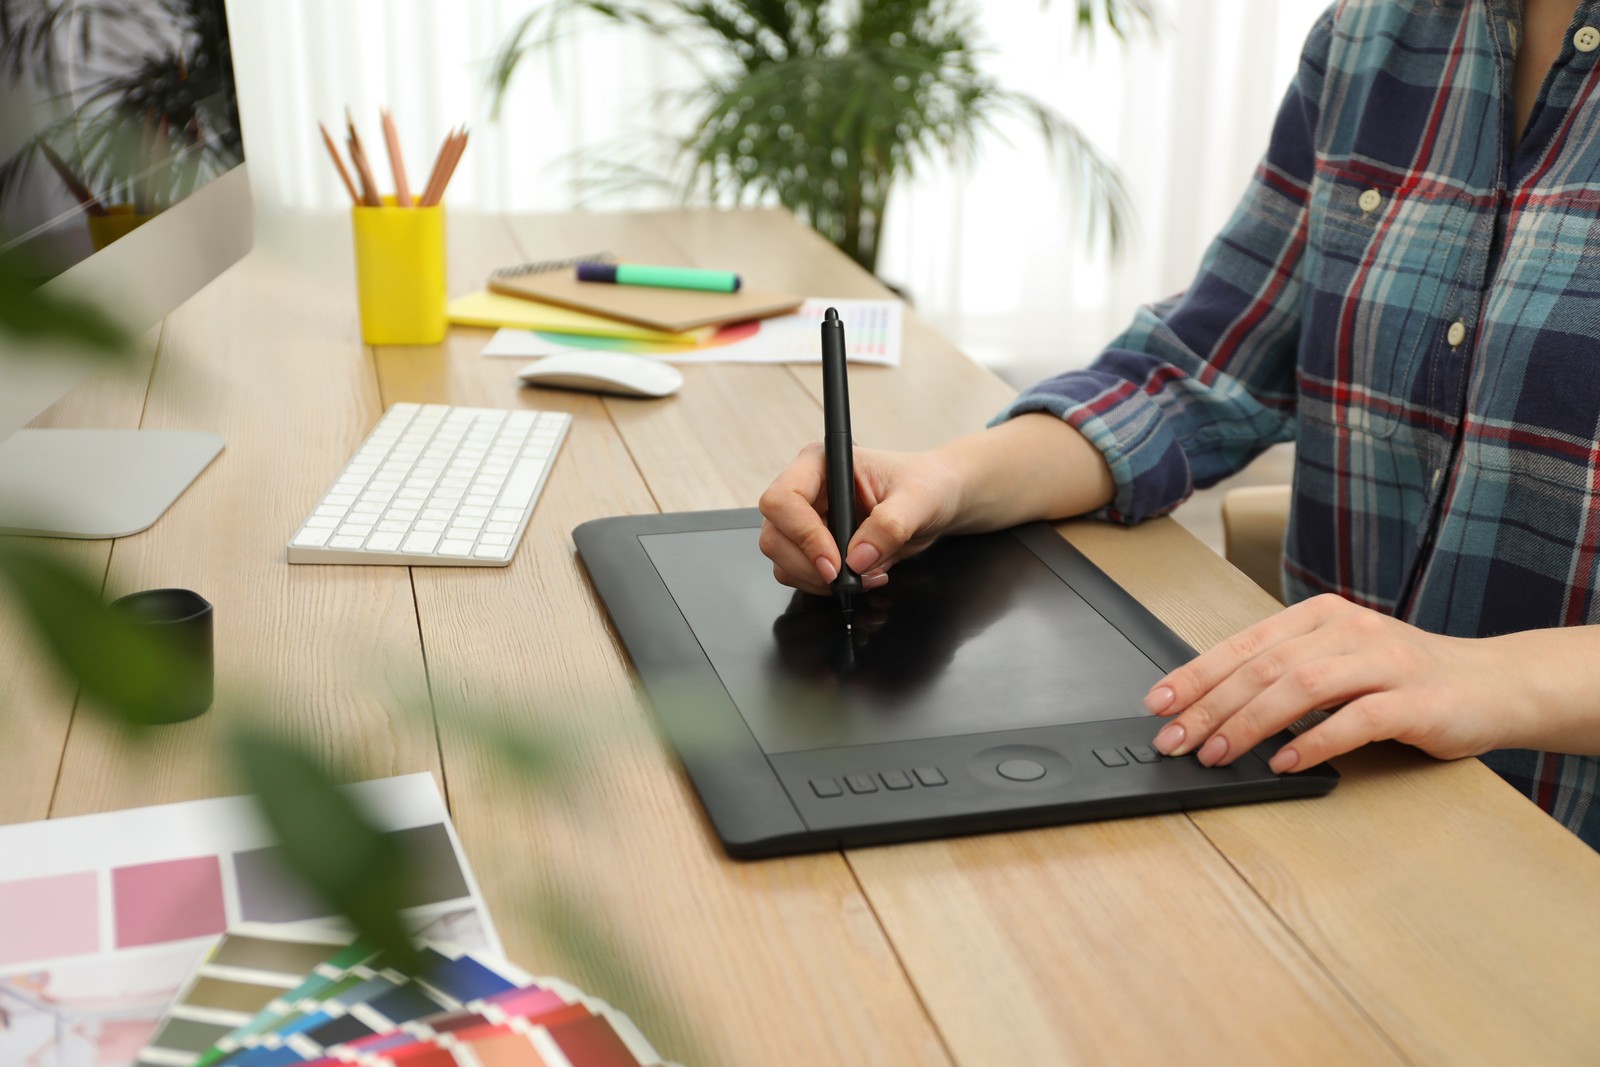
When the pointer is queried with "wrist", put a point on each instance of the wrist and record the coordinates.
(1550, 691)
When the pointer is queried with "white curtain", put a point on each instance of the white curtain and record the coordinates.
(992, 255)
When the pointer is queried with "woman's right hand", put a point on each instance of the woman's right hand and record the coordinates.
(907, 499)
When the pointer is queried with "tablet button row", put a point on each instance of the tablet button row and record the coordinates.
(826, 788)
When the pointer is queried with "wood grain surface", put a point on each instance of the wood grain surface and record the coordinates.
(1422, 913)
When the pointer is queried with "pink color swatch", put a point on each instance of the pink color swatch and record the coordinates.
(44, 918)
(171, 901)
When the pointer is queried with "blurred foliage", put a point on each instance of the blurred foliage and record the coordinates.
(359, 872)
(42, 321)
(128, 671)
(142, 127)
(826, 105)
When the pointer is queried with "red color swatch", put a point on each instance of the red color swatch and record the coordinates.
(170, 901)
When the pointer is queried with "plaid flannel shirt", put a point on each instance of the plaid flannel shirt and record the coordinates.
(1413, 297)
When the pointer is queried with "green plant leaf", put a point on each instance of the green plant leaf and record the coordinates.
(325, 840)
(129, 671)
(30, 314)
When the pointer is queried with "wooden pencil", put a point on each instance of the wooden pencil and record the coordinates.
(397, 166)
(80, 192)
(369, 184)
(338, 162)
(448, 168)
(430, 194)
(358, 155)
(433, 174)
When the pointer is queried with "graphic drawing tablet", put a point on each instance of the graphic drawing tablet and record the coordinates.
(995, 683)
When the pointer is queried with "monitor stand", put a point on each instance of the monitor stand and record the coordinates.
(96, 483)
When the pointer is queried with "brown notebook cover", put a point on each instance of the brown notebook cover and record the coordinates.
(673, 310)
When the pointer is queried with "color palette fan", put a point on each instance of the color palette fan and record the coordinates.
(261, 999)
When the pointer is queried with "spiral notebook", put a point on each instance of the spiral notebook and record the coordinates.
(671, 310)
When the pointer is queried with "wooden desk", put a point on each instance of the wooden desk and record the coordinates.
(1423, 913)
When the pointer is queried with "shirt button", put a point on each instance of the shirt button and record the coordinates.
(1370, 201)
(1587, 39)
(1456, 334)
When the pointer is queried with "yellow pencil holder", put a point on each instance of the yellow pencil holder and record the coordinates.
(400, 273)
(118, 221)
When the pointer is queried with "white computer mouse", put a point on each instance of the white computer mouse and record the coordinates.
(604, 372)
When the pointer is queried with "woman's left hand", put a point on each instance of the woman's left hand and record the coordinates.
(1448, 696)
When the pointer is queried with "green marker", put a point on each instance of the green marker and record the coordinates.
(706, 281)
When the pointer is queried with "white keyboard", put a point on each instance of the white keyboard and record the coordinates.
(435, 486)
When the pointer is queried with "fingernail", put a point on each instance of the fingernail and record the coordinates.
(862, 557)
(825, 568)
(1158, 700)
(1213, 750)
(1285, 761)
(1168, 740)
(877, 581)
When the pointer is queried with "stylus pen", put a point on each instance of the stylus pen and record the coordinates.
(840, 458)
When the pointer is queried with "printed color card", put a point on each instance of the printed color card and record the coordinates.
(102, 916)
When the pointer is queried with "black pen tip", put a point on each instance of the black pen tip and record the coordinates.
(831, 315)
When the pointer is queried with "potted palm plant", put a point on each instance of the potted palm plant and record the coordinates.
(825, 105)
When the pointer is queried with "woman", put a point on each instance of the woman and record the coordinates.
(1407, 292)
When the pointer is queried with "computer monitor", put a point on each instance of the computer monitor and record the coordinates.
(123, 182)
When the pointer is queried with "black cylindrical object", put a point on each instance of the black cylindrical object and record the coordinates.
(839, 452)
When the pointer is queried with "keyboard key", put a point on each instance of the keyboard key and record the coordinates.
(440, 514)
(384, 542)
(312, 538)
(520, 486)
(501, 528)
(429, 526)
(354, 529)
(504, 514)
(470, 511)
(346, 542)
(393, 526)
(492, 551)
(480, 500)
(322, 522)
(495, 539)
(421, 543)
(455, 548)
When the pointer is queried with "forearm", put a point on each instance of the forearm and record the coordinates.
(1555, 688)
(1034, 466)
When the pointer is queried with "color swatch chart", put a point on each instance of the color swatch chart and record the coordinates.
(102, 917)
(873, 333)
(264, 1000)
